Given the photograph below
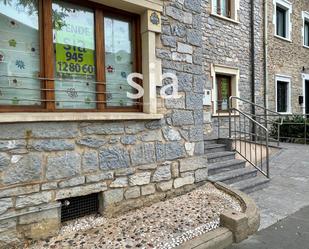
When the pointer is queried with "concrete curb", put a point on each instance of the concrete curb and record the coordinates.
(235, 227)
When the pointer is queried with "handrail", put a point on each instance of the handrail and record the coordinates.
(251, 138)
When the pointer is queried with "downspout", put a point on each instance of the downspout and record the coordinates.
(265, 55)
(252, 58)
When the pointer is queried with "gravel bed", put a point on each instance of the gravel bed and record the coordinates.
(163, 225)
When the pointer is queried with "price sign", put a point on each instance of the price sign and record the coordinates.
(75, 50)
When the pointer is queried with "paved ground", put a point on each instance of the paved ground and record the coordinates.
(289, 233)
(288, 192)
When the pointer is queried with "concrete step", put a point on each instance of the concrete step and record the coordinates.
(233, 176)
(220, 156)
(251, 185)
(210, 141)
(219, 167)
(213, 148)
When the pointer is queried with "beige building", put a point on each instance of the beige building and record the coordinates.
(288, 56)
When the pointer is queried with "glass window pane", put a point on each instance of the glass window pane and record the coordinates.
(74, 45)
(19, 53)
(281, 22)
(118, 61)
(306, 35)
(224, 8)
(282, 96)
(224, 92)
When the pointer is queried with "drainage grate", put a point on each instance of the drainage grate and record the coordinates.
(76, 207)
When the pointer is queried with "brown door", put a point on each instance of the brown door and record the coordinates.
(224, 91)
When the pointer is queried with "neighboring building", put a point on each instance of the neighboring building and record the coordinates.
(288, 56)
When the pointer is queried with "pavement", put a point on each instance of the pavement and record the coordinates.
(287, 193)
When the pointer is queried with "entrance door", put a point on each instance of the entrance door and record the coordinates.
(307, 96)
(224, 91)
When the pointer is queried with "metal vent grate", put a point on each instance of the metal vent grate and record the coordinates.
(76, 207)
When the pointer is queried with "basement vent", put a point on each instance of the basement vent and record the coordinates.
(77, 207)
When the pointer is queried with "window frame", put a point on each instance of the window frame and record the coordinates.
(287, 79)
(305, 16)
(233, 8)
(229, 8)
(46, 75)
(287, 6)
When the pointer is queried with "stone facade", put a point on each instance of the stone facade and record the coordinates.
(288, 58)
(228, 43)
(129, 163)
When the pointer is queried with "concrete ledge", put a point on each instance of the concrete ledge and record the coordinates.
(217, 239)
(74, 116)
(251, 211)
(235, 227)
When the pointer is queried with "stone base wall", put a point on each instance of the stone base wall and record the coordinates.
(130, 164)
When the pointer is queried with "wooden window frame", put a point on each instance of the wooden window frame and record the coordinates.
(306, 23)
(47, 52)
(219, 78)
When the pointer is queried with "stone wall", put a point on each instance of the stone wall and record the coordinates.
(229, 43)
(288, 58)
(130, 163)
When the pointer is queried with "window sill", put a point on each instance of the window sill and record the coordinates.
(225, 114)
(73, 116)
(225, 18)
(282, 38)
(305, 46)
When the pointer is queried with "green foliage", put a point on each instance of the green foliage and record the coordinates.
(293, 129)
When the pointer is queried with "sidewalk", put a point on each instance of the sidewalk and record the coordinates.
(288, 193)
(290, 233)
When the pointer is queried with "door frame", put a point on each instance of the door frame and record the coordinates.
(305, 78)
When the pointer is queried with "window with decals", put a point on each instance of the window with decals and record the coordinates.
(62, 56)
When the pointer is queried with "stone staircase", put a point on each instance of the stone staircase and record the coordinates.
(224, 167)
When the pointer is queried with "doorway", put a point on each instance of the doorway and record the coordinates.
(307, 97)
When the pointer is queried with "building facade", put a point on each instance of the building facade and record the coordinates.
(288, 56)
(68, 128)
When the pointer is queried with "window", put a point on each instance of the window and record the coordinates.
(60, 56)
(222, 7)
(283, 10)
(224, 91)
(306, 28)
(225, 84)
(283, 94)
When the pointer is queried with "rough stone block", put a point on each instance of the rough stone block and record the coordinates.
(171, 134)
(80, 191)
(193, 163)
(100, 177)
(182, 117)
(201, 175)
(49, 186)
(124, 172)
(180, 182)
(184, 48)
(111, 128)
(72, 182)
(114, 158)
(91, 142)
(63, 165)
(134, 127)
(120, 182)
(25, 169)
(33, 199)
(132, 193)
(19, 190)
(128, 140)
(7, 145)
(163, 173)
(165, 186)
(143, 154)
(5, 204)
(170, 151)
(139, 179)
(90, 161)
(175, 169)
(148, 189)
(112, 196)
(52, 145)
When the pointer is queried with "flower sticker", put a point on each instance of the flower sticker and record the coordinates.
(15, 101)
(124, 75)
(87, 100)
(20, 64)
(110, 69)
(13, 24)
(1, 56)
(12, 43)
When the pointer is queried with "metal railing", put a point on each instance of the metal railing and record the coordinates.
(250, 133)
(294, 129)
